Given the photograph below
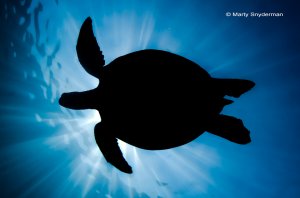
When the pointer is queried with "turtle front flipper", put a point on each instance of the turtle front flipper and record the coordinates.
(108, 145)
(88, 51)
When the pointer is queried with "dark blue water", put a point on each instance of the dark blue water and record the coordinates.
(50, 151)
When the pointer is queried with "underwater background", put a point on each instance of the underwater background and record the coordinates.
(49, 151)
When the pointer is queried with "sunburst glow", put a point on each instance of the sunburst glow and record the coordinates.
(50, 151)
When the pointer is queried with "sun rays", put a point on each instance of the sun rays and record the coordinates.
(71, 133)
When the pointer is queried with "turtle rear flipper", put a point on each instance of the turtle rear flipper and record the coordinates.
(233, 87)
(88, 51)
(230, 128)
(110, 149)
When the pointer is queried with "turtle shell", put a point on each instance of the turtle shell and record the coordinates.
(154, 99)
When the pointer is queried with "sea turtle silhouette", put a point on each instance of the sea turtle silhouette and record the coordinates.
(153, 99)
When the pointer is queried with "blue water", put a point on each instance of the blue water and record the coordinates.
(50, 151)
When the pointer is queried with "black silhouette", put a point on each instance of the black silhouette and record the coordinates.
(153, 99)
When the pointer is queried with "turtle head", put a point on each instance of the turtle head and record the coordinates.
(78, 100)
(69, 100)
